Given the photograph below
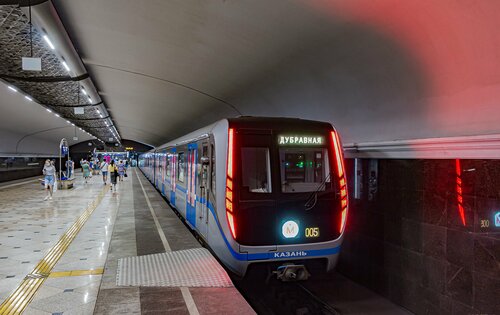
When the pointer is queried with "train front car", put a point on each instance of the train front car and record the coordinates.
(286, 194)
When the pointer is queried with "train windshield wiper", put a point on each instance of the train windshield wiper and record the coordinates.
(313, 197)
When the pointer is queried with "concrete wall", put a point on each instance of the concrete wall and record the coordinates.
(27, 128)
(9, 141)
(6, 176)
(390, 70)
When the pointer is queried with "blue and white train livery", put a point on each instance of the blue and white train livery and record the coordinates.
(258, 190)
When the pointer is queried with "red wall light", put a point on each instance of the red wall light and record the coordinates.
(460, 199)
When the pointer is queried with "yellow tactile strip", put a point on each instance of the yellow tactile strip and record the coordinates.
(24, 293)
(76, 273)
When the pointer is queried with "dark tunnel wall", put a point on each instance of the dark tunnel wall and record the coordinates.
(406, 239)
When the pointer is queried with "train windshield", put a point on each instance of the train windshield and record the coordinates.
(304, 169)
(285, 175)
(256, 175)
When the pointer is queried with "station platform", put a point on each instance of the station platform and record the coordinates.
(70, 255)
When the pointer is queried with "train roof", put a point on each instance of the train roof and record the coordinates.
(275, 122)
(192, 135)
(249, 122)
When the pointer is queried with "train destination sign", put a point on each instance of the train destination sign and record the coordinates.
(300, 139)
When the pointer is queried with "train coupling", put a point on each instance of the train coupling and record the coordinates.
(292, 272)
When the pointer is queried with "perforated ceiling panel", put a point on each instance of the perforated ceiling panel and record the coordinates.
(52, 87)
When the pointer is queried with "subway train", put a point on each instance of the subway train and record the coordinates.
(258, 190)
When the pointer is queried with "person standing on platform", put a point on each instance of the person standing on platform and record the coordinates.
(69, 168)
(86, 170)
(104, 170)
(49, 170)
(91, 166)
(126, 168)
(121, 170)
(113, 174)
(96, 166)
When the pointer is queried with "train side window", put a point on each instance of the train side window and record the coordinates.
(256, 170)
(181, 167)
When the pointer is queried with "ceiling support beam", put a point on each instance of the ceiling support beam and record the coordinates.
(46, 78)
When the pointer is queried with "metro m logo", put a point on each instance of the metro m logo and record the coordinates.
(290, 229)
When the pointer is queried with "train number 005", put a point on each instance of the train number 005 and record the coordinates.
(312, 232)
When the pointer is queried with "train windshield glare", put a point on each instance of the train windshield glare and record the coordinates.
(303, 169)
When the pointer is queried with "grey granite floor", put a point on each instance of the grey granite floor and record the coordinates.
(134, 234)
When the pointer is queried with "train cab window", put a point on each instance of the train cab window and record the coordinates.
(304, 169)
(256, 170)
(181, 167)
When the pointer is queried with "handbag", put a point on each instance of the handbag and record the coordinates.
(125, 175)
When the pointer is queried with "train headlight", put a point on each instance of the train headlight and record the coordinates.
(290, 229)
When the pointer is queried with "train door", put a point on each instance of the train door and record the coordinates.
(164, 171)
(155, 169)
(191, 183)
(203, 175)
(181, 186)
(173, 172)
(211, 193)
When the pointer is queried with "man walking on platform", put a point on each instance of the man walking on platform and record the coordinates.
(104, 170)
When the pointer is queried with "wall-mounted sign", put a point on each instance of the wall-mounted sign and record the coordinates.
(300, 139)
(129, 148)
(32, 64)
(497, 219)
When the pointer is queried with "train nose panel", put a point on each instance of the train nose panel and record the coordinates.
(258, 252)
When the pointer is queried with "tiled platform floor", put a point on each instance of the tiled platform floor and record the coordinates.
(30, 226)
(120, 226)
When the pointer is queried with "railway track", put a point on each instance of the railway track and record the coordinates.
(269, 296)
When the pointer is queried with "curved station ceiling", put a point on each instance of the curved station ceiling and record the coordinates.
(378, 70)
